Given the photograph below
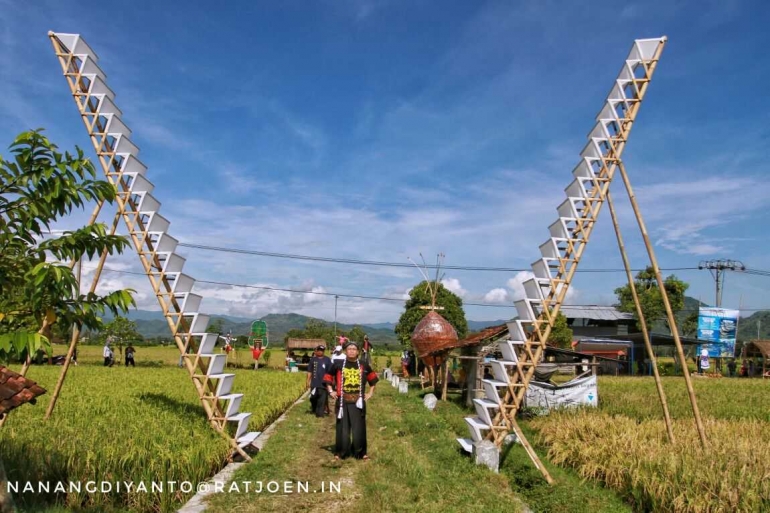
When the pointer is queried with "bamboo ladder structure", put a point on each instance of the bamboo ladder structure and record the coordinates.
(155, 248)
(562, 253)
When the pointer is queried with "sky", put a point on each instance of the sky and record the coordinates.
(383, 129)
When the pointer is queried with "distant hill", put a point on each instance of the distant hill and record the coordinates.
(747, 327)
(152, 324)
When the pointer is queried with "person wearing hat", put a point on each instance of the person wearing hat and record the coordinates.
(366, 356)
(317, 368)
(346, 382)
(338, 354)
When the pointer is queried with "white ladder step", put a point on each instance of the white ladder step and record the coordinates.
(466, 444)
(233, 405)
(224, 384)
(476, 425)
(482, 409)
(242, 419)
(217, 363)
(248, 438)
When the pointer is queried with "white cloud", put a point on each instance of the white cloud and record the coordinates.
(453, 285)
(498, 295)
(516, 284)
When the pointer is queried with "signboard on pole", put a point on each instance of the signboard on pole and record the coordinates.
(719, 326)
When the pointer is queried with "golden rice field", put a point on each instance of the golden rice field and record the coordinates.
(135, 424)
(623, 444)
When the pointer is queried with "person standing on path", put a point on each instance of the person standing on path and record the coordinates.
(317, 368)
(346, 382)
(109, 357)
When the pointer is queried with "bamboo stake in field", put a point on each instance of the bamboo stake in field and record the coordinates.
(666, 303)
(642, 320)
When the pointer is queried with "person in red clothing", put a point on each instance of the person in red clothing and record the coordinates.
(346, 382)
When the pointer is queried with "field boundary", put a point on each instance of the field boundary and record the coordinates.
(197, 503)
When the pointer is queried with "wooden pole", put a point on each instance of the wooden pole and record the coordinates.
(666, 304)
(446, 379)
(76, 329)
(642, 320)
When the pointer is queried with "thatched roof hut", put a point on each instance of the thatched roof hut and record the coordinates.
(432, 335)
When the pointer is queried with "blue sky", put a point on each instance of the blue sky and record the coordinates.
(381, 129)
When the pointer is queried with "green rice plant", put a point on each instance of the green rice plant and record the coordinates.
(136, 424)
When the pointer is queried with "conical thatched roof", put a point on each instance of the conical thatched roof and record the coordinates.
(432, 334)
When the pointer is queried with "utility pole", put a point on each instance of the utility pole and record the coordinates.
(717, 269)
(335, 315)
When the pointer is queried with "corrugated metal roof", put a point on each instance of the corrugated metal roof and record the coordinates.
(596, 313)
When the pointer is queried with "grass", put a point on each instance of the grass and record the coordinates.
(623, 444)
(415, 466)
(118, 424)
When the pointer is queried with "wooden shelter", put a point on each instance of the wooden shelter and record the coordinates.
(308, 344)
(760, 349)
(16, 390)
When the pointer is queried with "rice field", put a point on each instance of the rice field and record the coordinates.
(135, 424)
(623, 444)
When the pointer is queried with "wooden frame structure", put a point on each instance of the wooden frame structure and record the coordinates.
(148, 231)
(561, 254)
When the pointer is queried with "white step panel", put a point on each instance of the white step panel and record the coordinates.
(242, 422)
(224, 383)
(115, 127)
(188, 302)
(599, 132)
(172, 263)
(508, 348)
(476, 426)
(146, 202)
(584, 169)
(163, 242)
(549, 249)
(645, 48)
(124, 145)
(233, 403)
(139, 183)
(207, 343)
(483, 407)
(571, 208)
(216, 363)
(542, 270)
(560, 230)
(537, 288)
(198, 322)
(97, 86)
(524, 310)
(88, 66)
(491, 391)
(107, 106)
(517, 330)
(155, 222)
(466, 444)
(180, 282)
(576, 189)
(500, 371)
(132, 164)
(248, 439)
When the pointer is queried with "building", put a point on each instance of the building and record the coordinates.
(598, 321)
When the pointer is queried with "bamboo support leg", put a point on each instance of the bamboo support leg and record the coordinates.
(666, 304)
(642, 320)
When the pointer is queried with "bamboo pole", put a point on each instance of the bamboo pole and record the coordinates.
(76, 329)
(666, 304)
(446, 379)
(642, 320)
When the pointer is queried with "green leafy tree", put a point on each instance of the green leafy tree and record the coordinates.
(356, 333)
(413, 314)
(561, 333)
(39, 185)
(217, 326)
(650, 297)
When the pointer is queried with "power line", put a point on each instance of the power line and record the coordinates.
(354, 261)
(360, 296)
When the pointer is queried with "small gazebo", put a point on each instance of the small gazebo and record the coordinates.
(760, 349)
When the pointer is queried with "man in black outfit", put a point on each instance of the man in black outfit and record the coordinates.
(317, 368)
(346, 382)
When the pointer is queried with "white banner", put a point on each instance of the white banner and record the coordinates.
(578, 392)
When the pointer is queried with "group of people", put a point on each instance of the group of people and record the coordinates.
(343, 378)
(109, 355)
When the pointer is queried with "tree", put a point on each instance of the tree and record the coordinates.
(38, 289)
(650, 297)
(356, 333)
(217, 326)
(121, 330)
(413, 314)
(561, 333)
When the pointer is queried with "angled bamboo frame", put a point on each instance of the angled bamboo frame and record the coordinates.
(138, 228)
(587, 205)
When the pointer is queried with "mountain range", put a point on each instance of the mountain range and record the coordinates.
(152, 324)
